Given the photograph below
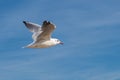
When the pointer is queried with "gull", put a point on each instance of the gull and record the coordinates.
(42, 35)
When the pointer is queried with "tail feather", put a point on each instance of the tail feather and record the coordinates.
(31, 45)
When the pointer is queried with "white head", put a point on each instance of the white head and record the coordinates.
(57, 41)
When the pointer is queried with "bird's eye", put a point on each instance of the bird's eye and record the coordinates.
(57, 40)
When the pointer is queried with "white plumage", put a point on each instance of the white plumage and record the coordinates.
(42, 35)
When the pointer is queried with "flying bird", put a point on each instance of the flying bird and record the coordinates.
(42, 35)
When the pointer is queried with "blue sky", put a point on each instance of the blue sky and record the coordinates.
(89, 29)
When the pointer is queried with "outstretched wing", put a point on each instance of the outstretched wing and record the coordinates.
(32, 26)
(47, 28)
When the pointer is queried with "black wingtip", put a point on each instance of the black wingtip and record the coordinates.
(24, 22)
(46, 22)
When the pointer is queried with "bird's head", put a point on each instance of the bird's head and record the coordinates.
(57, 41)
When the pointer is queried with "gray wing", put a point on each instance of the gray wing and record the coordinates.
(32, 26)
(47, 28)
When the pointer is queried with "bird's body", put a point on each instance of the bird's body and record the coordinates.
(42, 44)
(42, 35)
